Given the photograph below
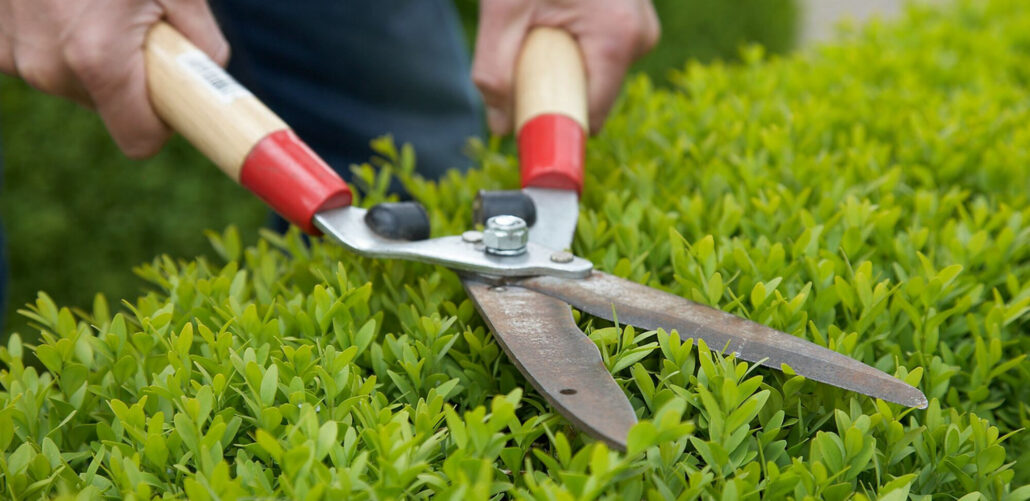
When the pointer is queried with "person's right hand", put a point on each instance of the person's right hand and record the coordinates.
(91, 51)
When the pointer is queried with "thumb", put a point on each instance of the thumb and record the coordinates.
(194, 19)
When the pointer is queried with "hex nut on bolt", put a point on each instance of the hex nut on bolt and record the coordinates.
(505, 235)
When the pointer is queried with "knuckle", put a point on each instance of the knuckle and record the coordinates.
(493, 85)
(87, 59)
(626, 22)
(41, 73)
(634, 27)
(501, 9)
(614, 50)
(6, 58)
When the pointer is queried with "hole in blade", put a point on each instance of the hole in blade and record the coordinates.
(567, 391)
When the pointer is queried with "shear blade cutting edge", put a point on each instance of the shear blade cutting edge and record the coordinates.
(649, 308)
(540, 337)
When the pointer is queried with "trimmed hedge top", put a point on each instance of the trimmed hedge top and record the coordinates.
(870, 196)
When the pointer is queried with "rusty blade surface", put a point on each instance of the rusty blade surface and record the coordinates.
(541, 339)
(649, 308)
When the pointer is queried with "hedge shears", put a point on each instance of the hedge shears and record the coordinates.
(518, 269)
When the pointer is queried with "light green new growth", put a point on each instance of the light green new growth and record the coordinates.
(870, 196)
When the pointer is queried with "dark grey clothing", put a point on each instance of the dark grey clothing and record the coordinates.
(342, 72)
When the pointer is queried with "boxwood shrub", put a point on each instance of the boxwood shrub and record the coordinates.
(870, 196)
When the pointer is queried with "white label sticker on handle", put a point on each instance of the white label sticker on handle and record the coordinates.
(212, 76)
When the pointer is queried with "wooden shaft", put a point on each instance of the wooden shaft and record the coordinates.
(203, 103)
(550, 78)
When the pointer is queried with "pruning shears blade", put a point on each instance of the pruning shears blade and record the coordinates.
(641, 306)
(540, 337)
(557, 212)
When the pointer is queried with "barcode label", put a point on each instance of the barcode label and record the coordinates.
(212, 76)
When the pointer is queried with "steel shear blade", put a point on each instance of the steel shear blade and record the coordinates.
(542, 340)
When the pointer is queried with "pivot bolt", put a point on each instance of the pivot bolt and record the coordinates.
(505, 235)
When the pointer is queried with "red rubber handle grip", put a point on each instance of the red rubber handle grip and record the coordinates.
(552, 147)
(551, 110)
(292, 179)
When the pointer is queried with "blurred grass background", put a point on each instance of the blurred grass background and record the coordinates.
(78, 215)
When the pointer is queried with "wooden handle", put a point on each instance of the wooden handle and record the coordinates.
(244, 138)
(201, 102)
(550, 78)
(551, 110)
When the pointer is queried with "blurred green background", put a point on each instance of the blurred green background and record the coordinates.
(79, 216)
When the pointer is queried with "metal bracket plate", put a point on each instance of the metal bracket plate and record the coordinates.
(347, 226)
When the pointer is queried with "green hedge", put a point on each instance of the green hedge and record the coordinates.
(707, 31)
(870, 196)
(77, 213)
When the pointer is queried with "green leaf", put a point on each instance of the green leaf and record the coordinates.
(269, 444)
(326, 439)
(897, 489)
(269, 384)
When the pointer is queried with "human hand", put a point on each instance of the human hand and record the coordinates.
(611, 35)
(91, 51)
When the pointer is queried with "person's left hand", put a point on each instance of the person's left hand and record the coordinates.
(611, 35)
(91, 51)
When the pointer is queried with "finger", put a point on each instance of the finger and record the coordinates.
(194, 19)
(502, 27)
(6, 48)
(606, 59)
(124, 105)
(6, 56)
(44, 70)
(32, 53)
(131, 119)
(7, 24)
(108, 65)
(652, 30)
